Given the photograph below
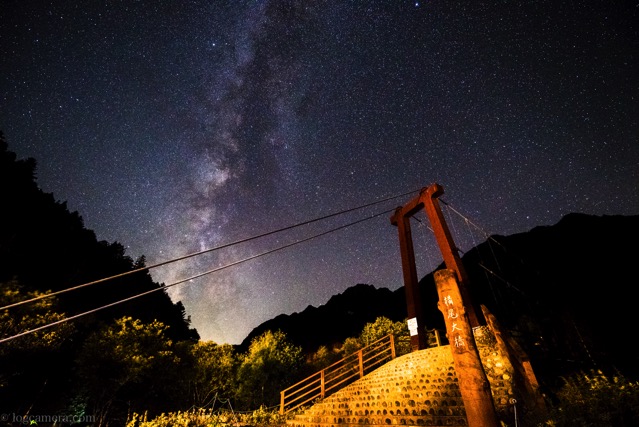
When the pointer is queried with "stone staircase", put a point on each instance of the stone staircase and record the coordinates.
(417, 389)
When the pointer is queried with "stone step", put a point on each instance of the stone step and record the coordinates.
(445, 408)
(412, 408)
(418, 384)
(403, 385)
(417, 389)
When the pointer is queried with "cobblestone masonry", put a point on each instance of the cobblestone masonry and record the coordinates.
(417, 389)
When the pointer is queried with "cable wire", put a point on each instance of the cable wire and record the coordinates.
(76, 316)
(490, 238)
(486, 234)
(181, 258)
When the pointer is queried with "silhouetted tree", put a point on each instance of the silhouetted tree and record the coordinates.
(269, 366)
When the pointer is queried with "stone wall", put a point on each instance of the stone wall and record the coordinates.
(498, 369)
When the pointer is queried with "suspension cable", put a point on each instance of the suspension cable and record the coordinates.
(490, 238)
(191, 255)
(76, 316)
(486, 235)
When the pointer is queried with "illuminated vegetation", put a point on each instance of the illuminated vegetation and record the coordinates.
(595, 399)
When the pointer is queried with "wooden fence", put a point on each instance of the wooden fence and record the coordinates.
(339, 374)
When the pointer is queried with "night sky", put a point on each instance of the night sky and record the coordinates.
(176, 126)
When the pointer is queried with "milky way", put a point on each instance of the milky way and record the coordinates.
(173, 127)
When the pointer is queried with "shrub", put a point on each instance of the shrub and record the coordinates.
(201, 417)
(596, 399)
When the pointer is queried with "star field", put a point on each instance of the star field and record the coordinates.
(172, 127)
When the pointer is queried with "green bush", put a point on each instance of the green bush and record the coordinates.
(597, 400)
(263, 417)
(270, 365)
(201, 417)
(194, 418)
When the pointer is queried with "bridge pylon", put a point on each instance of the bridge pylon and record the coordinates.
(428, 200)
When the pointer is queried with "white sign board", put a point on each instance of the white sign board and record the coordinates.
(412, 326)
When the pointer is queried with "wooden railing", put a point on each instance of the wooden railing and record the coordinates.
(339, 374)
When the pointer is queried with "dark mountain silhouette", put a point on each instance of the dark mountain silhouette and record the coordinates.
(564, 292)
(44, 247)
(343, 316)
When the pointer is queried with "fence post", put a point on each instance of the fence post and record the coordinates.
(281, 403)
(361, 363)
(392, 345)
(322, 383)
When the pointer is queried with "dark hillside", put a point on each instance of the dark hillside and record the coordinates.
(566, 290)
(343, 316)
(44, 247)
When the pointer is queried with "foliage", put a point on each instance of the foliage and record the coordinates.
(373, 331)
(193, 418)
(28, 362)
(383, 326)
(268, 367)
(351, 345)
(596, 399)
(262, 417)
(30, 316)
(322, 358)
(201, 417)
(213, 372)
(127, 361)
